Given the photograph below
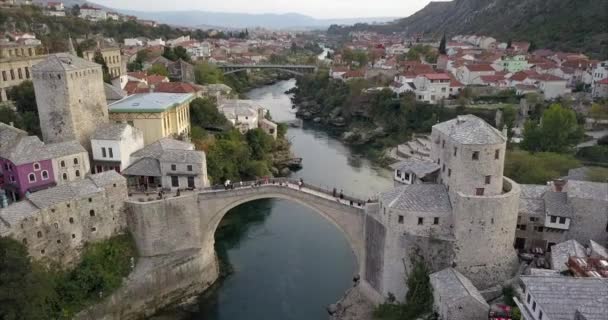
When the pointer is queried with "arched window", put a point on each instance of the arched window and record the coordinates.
(45, 175)
(24, 241)
(71, 220)
(31, 177)
(62, 164)
(65, 176)
(78, 173)
(36, 166)
(75, 160)
(39, 234)
(92, 213)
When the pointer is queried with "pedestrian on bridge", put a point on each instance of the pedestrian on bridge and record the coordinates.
(341, 194)
(334, 193)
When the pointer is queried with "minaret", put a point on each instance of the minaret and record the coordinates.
(71, 49)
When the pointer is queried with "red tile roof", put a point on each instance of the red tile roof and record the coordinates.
(175, 87)
(547, 77)
(156, 79)
(436, 76)
(135, 87)
(138, 74)
(523, 75)
(605, 81)
(492, 79)
(480, 67)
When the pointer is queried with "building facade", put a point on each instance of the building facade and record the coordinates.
(157, 115)
(113, 145)
(112, 58)
(16, 62)
(71, 98)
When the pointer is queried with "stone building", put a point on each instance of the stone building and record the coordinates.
(56, 223)
(245, 115)
(71, 98)
(112, 146)
(562, 210)
(16, 62)
(455, 297)
(169, 164)
(157, 115)
(443, 222)
(111, 56)
(70, 161)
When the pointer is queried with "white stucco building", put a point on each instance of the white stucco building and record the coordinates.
(245, 115)
(112, 146)
(432, 87)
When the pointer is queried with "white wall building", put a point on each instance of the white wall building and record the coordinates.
(156, 42)
(113, 145)
(133, 42)
(432, 87)
(245, 115)
(92, 13)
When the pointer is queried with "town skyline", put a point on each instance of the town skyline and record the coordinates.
(317, 9)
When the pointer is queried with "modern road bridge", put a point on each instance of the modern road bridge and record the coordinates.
(297, 69)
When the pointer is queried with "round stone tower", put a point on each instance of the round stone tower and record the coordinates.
(471, 153)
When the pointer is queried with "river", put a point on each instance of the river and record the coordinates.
(288, 262)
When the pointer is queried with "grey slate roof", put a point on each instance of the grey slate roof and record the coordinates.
(62, 149)
(597, 250)
(587, 190)
(452, 286)
(182, 156)
(156, 149)
(113, 131)
(8, 136)
(556, 204)
(60, 62)
(432, 198)
(62, 193)
(562, 251)
(105, 178)
(469, 129)
(418, 167)
(16, 212)
(147, 166)
(113, 93)
(560, 297)
(27, 149)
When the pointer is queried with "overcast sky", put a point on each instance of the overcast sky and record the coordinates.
(315, 8)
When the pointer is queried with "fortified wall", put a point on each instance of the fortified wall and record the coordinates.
(56, 223)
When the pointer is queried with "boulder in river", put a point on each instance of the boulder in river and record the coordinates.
(317, 119)
(285, 172)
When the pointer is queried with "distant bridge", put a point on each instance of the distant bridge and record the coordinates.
(297, 69)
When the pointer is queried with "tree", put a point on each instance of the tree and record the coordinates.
(204, 114)
(599, 111)
(260, 143)
(510, 44)
(206, 73)
(537, 168)
(169, 54)
(24, 97)
(25, 291)
(443, 45)
(557, 131)
(98, 58)
(181, 53)
(158, 69)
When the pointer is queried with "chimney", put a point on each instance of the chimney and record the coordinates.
(559, 184)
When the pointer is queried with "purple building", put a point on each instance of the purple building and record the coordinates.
(25, 164)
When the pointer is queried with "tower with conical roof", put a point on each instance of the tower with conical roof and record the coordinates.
(70, 97)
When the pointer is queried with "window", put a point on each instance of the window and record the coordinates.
(36, 166)
(553, 219)
(420, 221)
(62, 164)
(19, 73)
(31, 178)
(436, 220)
(174, 181)
(45, 175)
(110, 153)
(497, 154)
(64, 176)
(443, 144)
(103, 152)
(73, 236)
(443, 168)
(58, 241)
(455, 151)
(92, 213)
(4, 78)
(90, 199)
(24, 241)
(398, 173)
(479, 191)
(534, 306)
(540, 315)
(39, 234)
(475, 155)
(71, 220)
(78, 173)
(449, 172)
(400, 219)
(93, 229)
(488, 179)
(189, 167)
(540, 229)
(173, 167)
(75, 160)
(12, 74)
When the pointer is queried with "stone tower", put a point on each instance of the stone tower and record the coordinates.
(471, 154)
(70, 97)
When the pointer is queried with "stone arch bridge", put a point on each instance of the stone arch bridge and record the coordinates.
(289, 68)
(188, 222)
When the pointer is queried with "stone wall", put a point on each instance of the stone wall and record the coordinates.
(484, 228)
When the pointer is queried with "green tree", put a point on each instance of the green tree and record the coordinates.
(26, 292)
(204, 114)
(206, 73)
(260, 143)
(510, 44)
(24, 97)
(181, 53)
(169, 54)
(158, 69)
(98, 58)
(558, 131)
(537, 168)
(443, 45)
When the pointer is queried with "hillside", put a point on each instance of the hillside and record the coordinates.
(570, 25)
